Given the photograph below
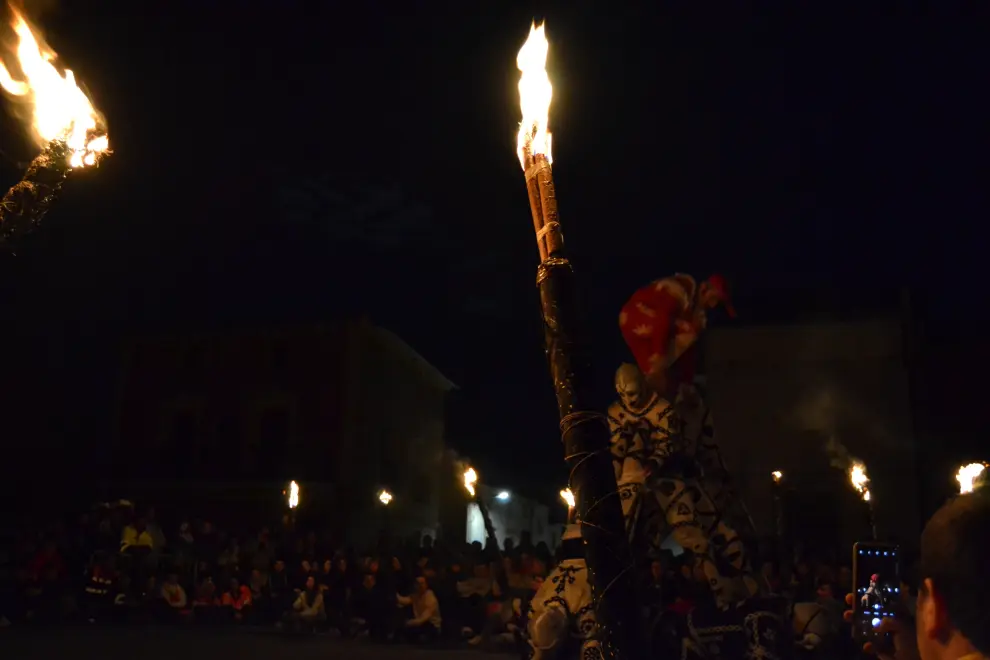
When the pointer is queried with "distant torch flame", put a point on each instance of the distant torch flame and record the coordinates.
(470, 479)
(535, 92)
(293, 494)
(59, 109)
(967, 475)
(859, 480)
(385, 497)
(777, 476)
(568, 497)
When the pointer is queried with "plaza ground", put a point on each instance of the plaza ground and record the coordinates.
(178, 643)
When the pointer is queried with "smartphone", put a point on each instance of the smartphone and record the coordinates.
(876, 587)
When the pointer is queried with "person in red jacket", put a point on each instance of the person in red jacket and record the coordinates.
(661, 324)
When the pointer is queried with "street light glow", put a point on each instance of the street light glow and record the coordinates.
(503, 496)
(385, 497)
(293, 495)
(777, 476)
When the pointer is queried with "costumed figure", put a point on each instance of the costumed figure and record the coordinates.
(561, 615)
(659, 458)
(874, 595)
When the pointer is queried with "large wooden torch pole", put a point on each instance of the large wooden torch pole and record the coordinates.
(584, 430)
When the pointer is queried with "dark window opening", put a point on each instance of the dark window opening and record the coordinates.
(273, 442)
(183, 445)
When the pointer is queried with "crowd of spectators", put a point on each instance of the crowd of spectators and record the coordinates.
(118, 564)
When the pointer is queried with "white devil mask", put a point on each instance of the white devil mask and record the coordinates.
(631, 386)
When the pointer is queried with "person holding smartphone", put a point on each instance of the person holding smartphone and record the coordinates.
(952, 619)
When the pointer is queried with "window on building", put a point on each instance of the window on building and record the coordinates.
(227, 441)
(273, 441)
(183, 443)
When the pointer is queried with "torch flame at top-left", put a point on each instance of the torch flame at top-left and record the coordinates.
(60, 110)
(535, 93)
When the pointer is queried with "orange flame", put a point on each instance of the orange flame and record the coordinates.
(470, 479)
(860, 480)
(60, 110)
(535, 93)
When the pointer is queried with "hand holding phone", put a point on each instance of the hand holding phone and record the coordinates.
(876, 589)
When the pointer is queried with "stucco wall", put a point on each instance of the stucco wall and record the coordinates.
(779, 393)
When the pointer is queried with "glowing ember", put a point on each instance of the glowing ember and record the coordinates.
(568, 497)
(385, 497)
(293, 495)
(470, 479)
(535, 92)
(60, 110)
(777, 476)
(859, 480)
(967, 475)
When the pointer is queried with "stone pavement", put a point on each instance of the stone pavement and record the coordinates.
(181, 643)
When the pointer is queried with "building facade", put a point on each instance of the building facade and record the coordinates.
(346, 410)
(786, 396)
(513, 517)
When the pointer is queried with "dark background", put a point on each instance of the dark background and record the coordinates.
(290, 162)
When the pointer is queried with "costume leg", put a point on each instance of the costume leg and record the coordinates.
(682, 502)
(632, 500)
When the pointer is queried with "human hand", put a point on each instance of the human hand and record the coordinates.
(903, 645)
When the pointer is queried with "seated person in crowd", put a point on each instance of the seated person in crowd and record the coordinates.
(238, 598)
(370, 614)
(425, 621)
(308, 609)
(175, 597)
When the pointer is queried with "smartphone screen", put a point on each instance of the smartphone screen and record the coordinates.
(876, 586)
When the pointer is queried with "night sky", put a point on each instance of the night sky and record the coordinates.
(288, 162)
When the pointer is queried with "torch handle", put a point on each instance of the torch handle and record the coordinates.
(500, 576)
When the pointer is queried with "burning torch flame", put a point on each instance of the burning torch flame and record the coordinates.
(568, 497)
(385, 497)
(535, 92)
(60, 110)
(967, 475)
(777, 476)
(859, 480)
(293, 494)
(470, 479)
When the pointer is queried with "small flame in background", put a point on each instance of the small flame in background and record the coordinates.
(60, 109)
(777, 476)
(293, 495)
(470, 479)
(967, 475)
(860, 480)
(568, 497)
(535, 93)
(385, 497)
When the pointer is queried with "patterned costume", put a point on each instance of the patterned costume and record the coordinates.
(561, 616)
(664, 454)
